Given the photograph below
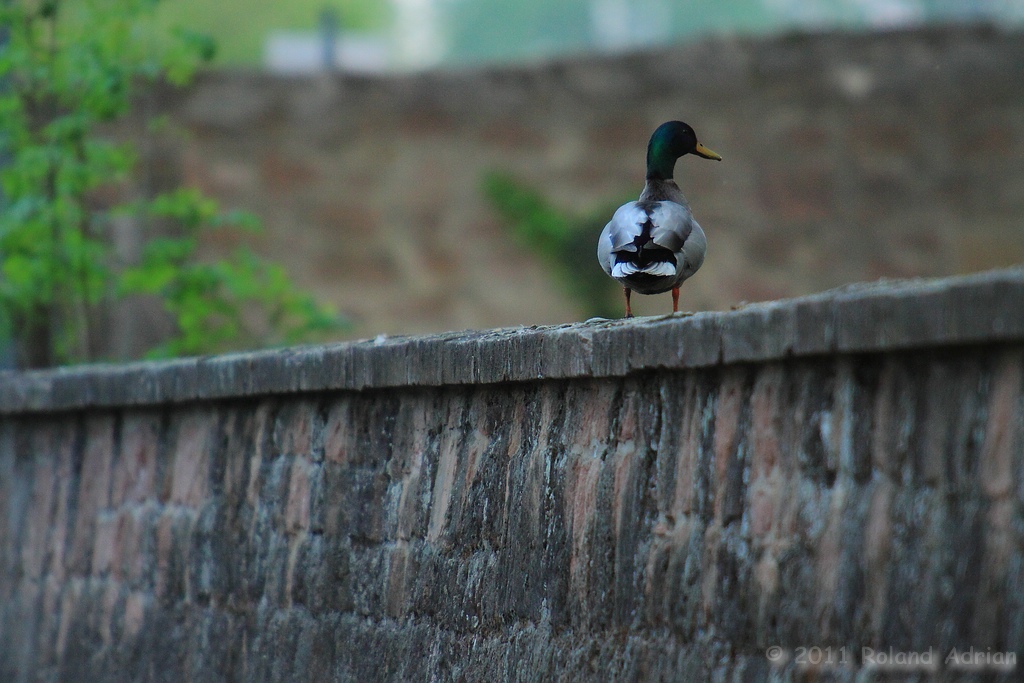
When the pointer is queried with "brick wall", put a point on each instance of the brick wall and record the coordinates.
(847, 157)
(658, 499)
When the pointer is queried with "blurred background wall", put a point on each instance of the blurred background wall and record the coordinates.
(847, 157)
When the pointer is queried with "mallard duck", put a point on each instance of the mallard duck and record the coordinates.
(653, 244)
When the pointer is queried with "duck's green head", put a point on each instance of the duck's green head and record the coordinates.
(671, 141)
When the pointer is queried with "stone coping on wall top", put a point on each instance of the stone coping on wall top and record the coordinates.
(881, 316)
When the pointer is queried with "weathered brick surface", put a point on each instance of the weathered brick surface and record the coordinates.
(879, 316)
(668, 522)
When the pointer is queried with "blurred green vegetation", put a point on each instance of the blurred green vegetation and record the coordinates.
(69, 68)
(567, 242)
(487, 30)
(241, 27)
(473, 31)
(503, 30)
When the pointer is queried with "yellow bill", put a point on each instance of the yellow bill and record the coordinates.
(703, 151)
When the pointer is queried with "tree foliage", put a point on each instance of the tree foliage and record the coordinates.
(67, 68)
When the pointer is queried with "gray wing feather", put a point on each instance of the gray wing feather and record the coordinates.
(672, 224)
(625, 226)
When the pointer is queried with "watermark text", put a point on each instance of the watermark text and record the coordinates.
(893, 659)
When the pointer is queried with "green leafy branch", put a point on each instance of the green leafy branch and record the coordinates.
(565, 241)
(67, 68)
